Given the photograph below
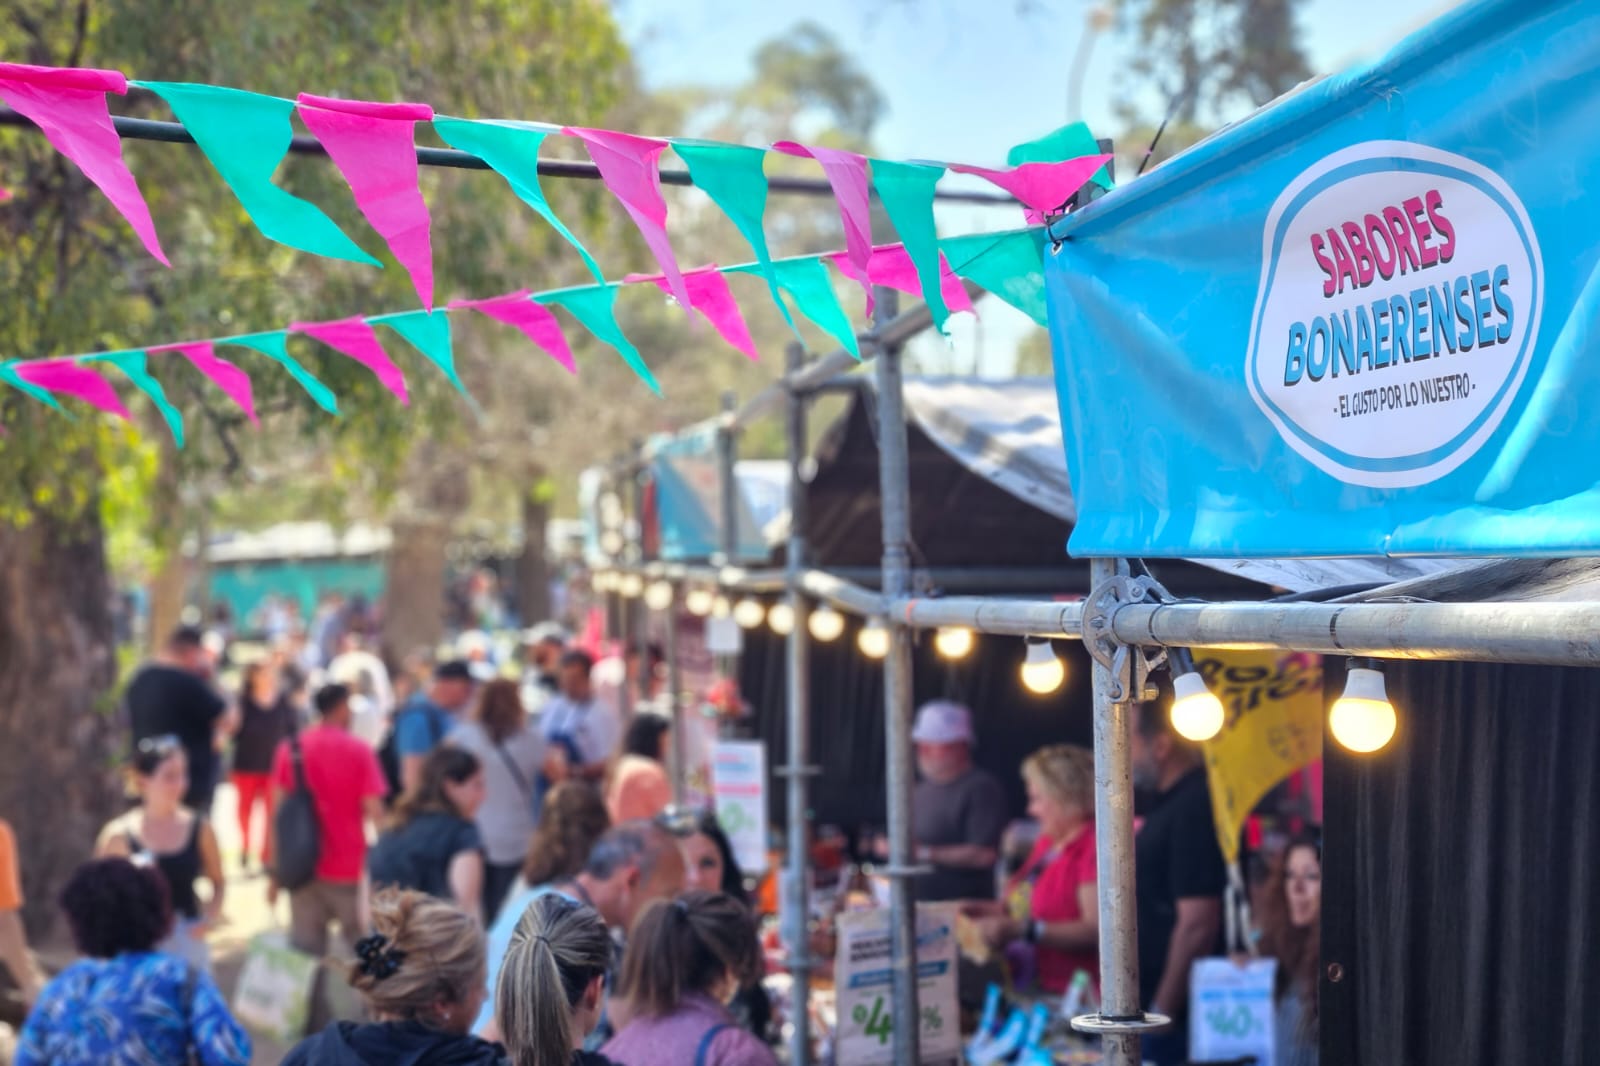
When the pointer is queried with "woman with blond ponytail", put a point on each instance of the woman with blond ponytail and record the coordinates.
(551, 984)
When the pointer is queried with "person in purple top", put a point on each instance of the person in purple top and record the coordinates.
(686, 960)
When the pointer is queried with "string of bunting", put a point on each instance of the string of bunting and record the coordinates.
(246, 135)
(1007, 264)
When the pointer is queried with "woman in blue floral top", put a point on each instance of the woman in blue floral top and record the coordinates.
(125, 1005)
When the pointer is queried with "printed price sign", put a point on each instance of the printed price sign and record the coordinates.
(864, 983)
(739, 786)
(1230, 1012)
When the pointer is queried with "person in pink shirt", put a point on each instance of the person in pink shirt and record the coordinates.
(347, 788)
(686, 960)
(639, 787)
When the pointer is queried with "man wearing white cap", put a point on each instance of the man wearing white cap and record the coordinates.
(958, 811)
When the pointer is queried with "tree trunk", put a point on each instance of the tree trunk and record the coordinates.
(169, 586)
(413, 586)
(533, 568)
(61, 736)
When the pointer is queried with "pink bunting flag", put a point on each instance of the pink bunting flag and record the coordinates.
(66, 378)
(1042, 187)
(891, 266)
(536, 321)
(630, 167)
(847, 174)
(710, 295)
(227, 377)
(69, 106)
(355, 338)
(374, 146)
(5, 194)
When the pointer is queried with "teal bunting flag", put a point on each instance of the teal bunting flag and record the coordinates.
(246, 136)
(734, 177)
(18, 382)
(428, 334)
(1008, 265)
(906, 190)
(275, 346)
(810, 285)
(512, 150)
(1068, 142)
(596, 307)
(133, 365)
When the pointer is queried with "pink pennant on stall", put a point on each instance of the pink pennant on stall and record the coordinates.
(66, 378)
(891, 266)
(69, 106)
(536, 321)
(630, 167)
(355, 338)
(1042, 187)
(227, 377)
(374, 146)
(5, 194)
(710, 295)
(847, 174)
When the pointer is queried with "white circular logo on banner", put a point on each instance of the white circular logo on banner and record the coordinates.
(1401, 289)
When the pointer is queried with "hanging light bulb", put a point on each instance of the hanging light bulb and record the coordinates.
(720, 607)
(781, 618)
(612, 542)
(1042, 672)
(749, 613)
(658, 595)
(873, 640)
(630, 585)
(698, 601)
(1196, 712)
(953, 642)
(826, 624)
(1363, 719)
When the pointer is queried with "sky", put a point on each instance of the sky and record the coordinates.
(964, 81)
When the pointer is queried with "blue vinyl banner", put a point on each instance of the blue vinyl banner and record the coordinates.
(1361, 322)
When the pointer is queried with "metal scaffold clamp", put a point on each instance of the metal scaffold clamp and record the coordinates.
(1130, 665)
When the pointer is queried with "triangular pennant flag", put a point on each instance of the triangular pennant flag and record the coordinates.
(847, 175)
(428, 334)
(66, 378)
(374, 147)
(227, 377)
(1068, 142)
(808, 282)
(734, 176)
(9, 375)
(353, 337)
(891, 266)
(133, 366)
(512, 150)
(1044, 188)
(69, 106)
(537, 322)
(630, 167)
(906, 190)
(710, 295)
(1009, 265)
(246, 136)
(275, 346)
(596, 307)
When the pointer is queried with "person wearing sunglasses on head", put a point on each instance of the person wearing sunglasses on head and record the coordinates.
(163, 833)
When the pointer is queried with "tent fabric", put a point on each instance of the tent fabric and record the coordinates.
(1459, 894)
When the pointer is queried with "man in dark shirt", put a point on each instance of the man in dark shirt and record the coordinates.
(958, 812)
(1180, 876)
(173, 696)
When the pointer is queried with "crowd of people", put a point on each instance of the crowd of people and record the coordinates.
(508, 886)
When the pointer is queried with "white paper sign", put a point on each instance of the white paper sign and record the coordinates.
(723, 635)
(1230, 1009)
(864, 988)
(739, 788)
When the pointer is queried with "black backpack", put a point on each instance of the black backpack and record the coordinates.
(299, 834)
(389, 751)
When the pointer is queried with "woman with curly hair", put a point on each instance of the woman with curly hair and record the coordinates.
(421, 975)
(1291, 932)
(145, 1006)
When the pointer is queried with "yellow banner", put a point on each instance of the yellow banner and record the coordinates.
(1272, 727)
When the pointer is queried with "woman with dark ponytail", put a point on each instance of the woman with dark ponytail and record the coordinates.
(686, 960)
(552, 983)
